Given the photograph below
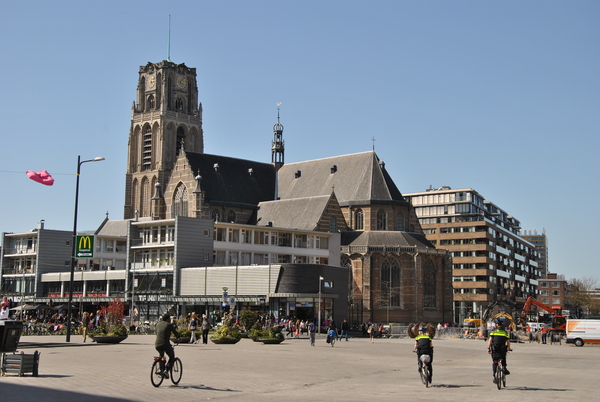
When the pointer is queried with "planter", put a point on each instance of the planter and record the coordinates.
(244, 335)
(271, 341)
(225, 341)
(108, 339)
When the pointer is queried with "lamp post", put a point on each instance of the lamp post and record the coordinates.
(73, 245)
(319, 309)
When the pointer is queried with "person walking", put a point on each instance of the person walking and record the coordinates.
(312, 332)
(205, 326)
(345, 328)
(192, 327)
(371, 331)
(85, 323)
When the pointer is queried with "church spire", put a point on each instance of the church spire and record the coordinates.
(277, 148)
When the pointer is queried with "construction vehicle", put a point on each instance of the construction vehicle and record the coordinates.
(557, 324)
(472, 321)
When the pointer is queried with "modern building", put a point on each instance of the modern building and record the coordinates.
(540, 241)
(490, 260)
(552, 291)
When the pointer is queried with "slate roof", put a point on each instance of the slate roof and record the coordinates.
(114, 228)
(384, 238)
(297, 213)
(358, 179)
(232, 184)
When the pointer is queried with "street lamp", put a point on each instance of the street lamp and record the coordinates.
(319, 309)
(74, 241)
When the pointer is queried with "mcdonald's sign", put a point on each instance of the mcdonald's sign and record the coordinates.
(85, 247)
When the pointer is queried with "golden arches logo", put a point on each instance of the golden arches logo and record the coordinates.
(85, 243)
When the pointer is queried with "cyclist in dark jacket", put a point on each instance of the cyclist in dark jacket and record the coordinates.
(164, 329)
(424, 346)
(498, 345)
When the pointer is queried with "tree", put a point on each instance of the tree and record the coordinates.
(581, 296)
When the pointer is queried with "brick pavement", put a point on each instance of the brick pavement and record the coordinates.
(293, 371)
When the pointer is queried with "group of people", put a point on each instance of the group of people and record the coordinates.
(195, 324)
(498, 345)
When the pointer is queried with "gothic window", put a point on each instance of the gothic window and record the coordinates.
(145, 198)
(180, 139)
(215, 215)
(381, 220)
(180, 204)
(359, 220)
(231, 216)
(429, 285)
(147, 151)
(390, 282)
(179, 104)
(150, 103)
(400, 226)
(333, 224)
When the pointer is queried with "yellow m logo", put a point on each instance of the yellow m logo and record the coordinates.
(85, 243)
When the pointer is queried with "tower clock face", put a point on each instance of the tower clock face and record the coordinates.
(151, 82)
(182, 82)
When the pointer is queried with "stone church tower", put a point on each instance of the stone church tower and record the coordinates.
(165, 118)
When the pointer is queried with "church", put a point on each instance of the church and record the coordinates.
(394, 273)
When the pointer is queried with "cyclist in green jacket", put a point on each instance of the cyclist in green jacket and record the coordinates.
(162, 344)
(498, 345)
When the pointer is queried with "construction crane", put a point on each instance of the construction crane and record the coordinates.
(558, 323)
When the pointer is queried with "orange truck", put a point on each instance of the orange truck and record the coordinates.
(583, 331)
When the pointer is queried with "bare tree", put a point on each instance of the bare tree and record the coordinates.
(581, 295)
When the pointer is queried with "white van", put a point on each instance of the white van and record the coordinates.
(583, 331)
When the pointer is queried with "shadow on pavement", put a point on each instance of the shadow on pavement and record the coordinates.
(18, 393)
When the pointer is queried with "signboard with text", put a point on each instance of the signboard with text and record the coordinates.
(85, 246)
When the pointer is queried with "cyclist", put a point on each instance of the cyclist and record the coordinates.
(498, 345)
(163, 331)
(424, 346)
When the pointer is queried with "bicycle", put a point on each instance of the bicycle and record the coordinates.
(424, 369)
(500, 373)
(157, 374)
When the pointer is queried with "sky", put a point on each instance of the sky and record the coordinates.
(499, 96)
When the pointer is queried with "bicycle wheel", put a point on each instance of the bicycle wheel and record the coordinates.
(176, 371)
(503, 378)
(498, 377)
(156, 374)
(423, 373)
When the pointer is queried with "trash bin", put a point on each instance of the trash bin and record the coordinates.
(10, 334)
(20, 364)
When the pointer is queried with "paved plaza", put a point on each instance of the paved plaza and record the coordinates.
(294, 371)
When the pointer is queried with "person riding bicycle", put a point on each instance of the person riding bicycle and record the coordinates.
(424, 346)
(162, 344)
(498, 345)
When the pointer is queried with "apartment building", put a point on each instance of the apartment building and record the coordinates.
(490, 260)
(540, 241)
(553, 291)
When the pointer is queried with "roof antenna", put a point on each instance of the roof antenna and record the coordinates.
(169, 50)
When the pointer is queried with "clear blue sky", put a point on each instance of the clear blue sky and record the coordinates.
(499, 96)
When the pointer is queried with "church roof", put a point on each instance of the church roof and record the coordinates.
(114, 228)
(356, 179)
(297, 213)
(232, 181)
(384, 238)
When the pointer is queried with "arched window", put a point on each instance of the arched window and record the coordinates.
(145, 198)
(429, 287)
(150, 103)
(180, 204)
(333, 224)
(231, 216)
(359, 220)
(180, 140)
(147, 149)
(179, 104)
(390, 282)
(400, 224)
(381, 220)
(215, 215)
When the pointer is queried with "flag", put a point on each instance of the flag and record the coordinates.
(42, 177)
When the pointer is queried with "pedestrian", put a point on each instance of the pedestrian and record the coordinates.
(205, 326)
(4, 312)
(192, 327)
(344, 330)
(544, 334)
(371, 331)
(311, 332)
(85, 322)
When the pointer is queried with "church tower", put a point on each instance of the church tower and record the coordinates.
(165, 118)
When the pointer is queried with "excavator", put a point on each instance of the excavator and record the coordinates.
(558, 323)
(474, 321)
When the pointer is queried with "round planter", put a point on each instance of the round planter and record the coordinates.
(225, 341)
(271, 341)
(108, 339)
